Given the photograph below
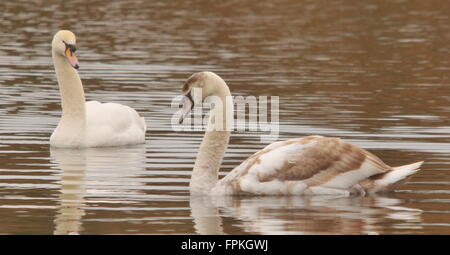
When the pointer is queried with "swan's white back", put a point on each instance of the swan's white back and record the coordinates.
(106, 124)
(112, 124)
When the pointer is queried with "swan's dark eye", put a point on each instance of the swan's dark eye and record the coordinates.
(72, 47)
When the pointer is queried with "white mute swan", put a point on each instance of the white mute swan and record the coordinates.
(88, 124)
(311, 165)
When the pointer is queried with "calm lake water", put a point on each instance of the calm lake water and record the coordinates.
(375, 73)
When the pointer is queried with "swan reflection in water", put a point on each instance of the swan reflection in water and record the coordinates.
(88, 175)
(302, 215)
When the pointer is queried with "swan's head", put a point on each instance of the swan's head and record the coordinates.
(200, 86)
(64, 44)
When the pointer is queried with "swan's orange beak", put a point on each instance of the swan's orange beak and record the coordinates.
(72, 58)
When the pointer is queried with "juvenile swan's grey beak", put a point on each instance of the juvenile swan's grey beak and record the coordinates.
(187, 107)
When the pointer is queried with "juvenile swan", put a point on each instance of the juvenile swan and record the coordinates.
(88, 124)
(311, 165)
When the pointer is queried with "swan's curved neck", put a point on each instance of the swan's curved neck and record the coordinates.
(209, 158)
(212, 149)
(70, 88)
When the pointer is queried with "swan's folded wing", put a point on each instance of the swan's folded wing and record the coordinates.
(327, 162)
(118, 117)
(314, 160)
(113, 124)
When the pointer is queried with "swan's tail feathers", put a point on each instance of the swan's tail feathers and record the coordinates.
(144, 125)
(400, 173)
(390, 180)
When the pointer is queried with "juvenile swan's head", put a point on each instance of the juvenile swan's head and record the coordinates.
(64, 44)
(200, 86)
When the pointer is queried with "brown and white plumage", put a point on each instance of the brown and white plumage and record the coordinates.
(311, 165)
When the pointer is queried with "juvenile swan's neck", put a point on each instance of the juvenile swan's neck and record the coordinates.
(212, 149)
(70, 88)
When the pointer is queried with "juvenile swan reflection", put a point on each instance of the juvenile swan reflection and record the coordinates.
(269, 215)
(87, 174)
(206, 216)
